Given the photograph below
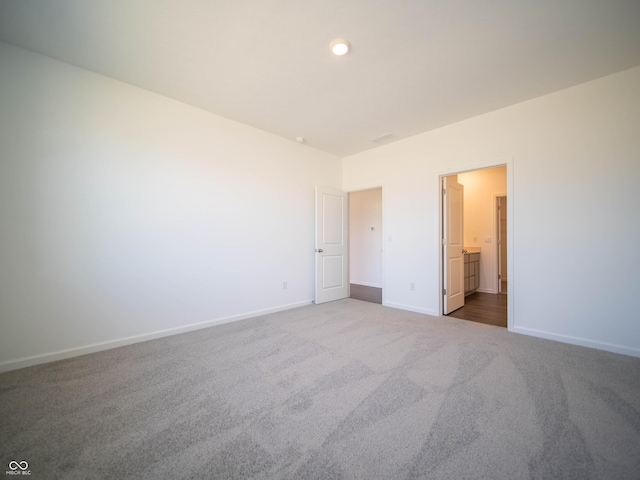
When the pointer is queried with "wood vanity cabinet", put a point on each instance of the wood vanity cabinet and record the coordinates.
(471, 273)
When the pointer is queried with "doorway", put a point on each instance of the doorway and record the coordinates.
(365, 245)
(485, 247)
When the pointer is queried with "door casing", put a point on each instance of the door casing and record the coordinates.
(509, 164)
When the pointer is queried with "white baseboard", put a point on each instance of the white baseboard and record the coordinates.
(486, 290)
(365, 284)
(410, 308)
(97, 347)
(583, 342)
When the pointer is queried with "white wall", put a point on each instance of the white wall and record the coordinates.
(480, 222)
(574, 167)
(365, 244)
(126, 214)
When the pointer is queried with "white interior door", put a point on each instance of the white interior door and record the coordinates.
(331, 245)
(453, 218)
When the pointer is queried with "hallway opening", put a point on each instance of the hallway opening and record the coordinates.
(365, 245)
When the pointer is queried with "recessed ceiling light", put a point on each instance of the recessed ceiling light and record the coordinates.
(340, 46)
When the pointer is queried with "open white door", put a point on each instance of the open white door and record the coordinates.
(453, 257)
(331, 245)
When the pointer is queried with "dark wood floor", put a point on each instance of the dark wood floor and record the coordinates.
(368, 294)
(479, 307)
(486, 308)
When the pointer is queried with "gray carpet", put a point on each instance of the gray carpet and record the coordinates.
(344, 390)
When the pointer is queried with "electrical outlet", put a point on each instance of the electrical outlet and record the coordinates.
(284, 285)
(412, 286)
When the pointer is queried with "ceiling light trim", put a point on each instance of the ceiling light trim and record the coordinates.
(340, 47)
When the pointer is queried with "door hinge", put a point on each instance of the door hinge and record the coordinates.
(444, 291)
(444, 191)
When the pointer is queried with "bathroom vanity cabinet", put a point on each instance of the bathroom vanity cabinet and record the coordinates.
(471, 273)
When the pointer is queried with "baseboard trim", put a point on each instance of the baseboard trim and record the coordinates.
(486, 290)
(365, 284)
(583, 342)
(410, 308)
(100, 346)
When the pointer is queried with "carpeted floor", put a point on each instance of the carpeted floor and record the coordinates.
(344, 390)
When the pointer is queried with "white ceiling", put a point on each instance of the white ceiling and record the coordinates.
(415, 65)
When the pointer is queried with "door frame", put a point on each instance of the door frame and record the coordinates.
(362, 189)
(503, 162)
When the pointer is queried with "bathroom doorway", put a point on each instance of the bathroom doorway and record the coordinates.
(484, 248)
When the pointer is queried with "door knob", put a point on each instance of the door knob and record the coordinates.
(319, 250)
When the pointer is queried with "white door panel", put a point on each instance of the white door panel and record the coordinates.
(332, 219)
(333, 268)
